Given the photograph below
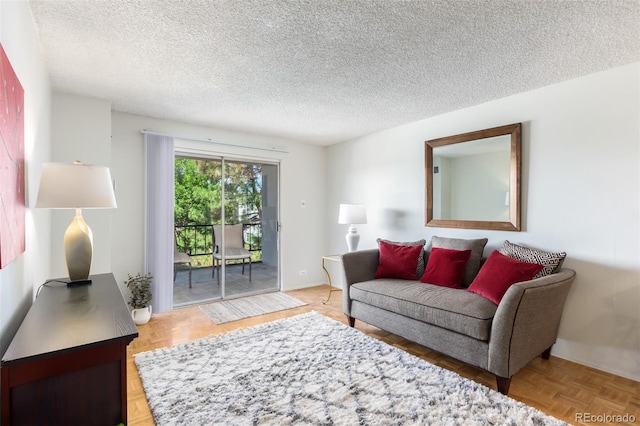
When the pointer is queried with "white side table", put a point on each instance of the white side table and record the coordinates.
(330, 258)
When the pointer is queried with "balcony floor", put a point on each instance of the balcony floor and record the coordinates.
(204, 288)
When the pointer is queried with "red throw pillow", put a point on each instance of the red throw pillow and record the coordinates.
(446, 267)
(498, 273)
(398, 261)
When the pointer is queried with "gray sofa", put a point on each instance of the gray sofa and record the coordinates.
(501, 339)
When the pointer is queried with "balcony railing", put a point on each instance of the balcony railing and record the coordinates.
(197, 240)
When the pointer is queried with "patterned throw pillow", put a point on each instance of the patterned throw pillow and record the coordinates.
(420, 267)
(551, 262)
(476, 246)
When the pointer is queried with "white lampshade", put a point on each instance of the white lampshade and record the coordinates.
(75, 185)
(351, 214)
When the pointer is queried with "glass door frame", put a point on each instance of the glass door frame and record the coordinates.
(224, 159)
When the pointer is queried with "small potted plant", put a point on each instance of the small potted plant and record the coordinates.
(140, 301)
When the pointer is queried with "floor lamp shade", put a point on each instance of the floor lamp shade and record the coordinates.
(76, 186)
(352, 214)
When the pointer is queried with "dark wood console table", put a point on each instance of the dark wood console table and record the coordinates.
(67, 364)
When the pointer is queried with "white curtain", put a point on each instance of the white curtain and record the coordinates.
(159, 168)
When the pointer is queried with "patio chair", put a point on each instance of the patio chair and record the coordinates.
(234, 247)
(180, 258)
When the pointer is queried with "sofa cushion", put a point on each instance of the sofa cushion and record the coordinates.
(476, 246)
(421, 243)
(452, 309)
(398, 261)
(551, 262)
(499, 273)
(446, 267)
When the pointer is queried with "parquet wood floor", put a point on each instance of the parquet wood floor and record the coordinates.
(568, 391)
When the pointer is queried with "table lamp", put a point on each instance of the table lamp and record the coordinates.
(352, 214)
(76, 186)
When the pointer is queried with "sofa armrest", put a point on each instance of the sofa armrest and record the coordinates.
(526, 321)
(358, 266)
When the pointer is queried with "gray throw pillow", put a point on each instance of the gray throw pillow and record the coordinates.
(476, 246)
(420, 267)
(550, 262)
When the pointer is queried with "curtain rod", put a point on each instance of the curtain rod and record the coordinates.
(272, 149)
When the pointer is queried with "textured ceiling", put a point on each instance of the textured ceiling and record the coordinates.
(324, 71)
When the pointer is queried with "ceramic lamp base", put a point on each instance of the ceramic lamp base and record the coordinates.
(78, 248)
(353, 238)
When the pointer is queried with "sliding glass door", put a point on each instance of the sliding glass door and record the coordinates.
(226, 222)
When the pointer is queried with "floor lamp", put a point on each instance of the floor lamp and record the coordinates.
(76, 186)
(352, 214)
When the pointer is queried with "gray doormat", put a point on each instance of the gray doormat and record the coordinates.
(251, 306)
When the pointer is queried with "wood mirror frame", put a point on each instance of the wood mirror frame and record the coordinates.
(512, 130)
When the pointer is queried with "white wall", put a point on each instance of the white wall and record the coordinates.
(581, 194)
(20, 279)
(302, 177)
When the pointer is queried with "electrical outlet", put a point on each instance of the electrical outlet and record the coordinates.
(303, 272)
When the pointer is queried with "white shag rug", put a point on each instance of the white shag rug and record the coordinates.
(312, 370)
(249, 306)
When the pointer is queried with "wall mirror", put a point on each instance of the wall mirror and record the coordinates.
(473, 179)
